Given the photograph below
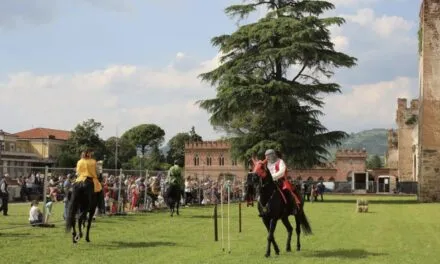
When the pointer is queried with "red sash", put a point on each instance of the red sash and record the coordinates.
(287, 185)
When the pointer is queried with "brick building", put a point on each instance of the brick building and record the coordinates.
(213, 159)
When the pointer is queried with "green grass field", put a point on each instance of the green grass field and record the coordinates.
(396, 230)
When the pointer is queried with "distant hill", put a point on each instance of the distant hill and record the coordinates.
(374, 141)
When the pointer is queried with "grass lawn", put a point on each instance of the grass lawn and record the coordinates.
(396, 230)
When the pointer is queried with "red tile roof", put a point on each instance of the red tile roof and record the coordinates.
(43, 133)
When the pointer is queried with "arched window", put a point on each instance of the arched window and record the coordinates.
(321, 178)
(196, 160)
(310, 179)
(299, 178)
(221, 160)
(209, 161)
(332, 179)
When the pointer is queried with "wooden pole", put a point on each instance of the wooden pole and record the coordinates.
(215, 223)
(239, 217)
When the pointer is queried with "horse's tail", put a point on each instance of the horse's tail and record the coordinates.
(305, 225)
(72, 209)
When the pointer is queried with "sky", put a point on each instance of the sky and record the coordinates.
(130, 62)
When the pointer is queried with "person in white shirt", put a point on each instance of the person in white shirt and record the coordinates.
(278, 170)
(35, 215)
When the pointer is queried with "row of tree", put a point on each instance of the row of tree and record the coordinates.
(137, 148)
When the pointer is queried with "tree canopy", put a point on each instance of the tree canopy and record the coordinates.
(145, 136)
(84, 135)
(176, 146)
(270, 84)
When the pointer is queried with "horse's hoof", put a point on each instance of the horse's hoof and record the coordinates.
(76, 238)
(288, 250)
(88, 240)
(277, 253)
(267, 255)
(80, 235)
(298, 249)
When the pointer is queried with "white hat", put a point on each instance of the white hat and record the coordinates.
(269, 151)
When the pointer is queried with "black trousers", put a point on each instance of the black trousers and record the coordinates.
(4, 207)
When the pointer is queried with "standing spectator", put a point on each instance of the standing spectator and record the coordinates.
(67, 187)
(4, 194)
(188, 190)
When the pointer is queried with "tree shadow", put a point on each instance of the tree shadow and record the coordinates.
(123, 244)
(343, 253)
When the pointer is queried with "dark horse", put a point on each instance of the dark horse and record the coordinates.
(250, 189)
(84, 200)
(173, 194)
(272, 208)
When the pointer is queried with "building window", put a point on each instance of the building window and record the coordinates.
(221, 160)
(209, 161)
(11, 146)
(196, 160)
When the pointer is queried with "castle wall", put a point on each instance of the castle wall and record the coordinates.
(211, 159)
(406, 119)
(348, 161)
(429, 124)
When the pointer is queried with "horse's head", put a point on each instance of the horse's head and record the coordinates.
(260, 168)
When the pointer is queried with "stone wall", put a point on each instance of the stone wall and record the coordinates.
(406, 119)
(429, 124)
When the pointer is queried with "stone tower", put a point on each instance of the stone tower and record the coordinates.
(429, 115)
(406, 119)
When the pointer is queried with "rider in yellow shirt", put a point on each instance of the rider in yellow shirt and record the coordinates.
(86, 168)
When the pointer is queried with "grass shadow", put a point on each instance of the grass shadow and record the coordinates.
(202, 216)
(353, 201)
(343, 253)
(19, 235)
(124, 244)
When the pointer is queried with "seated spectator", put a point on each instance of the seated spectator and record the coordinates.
(35, 215)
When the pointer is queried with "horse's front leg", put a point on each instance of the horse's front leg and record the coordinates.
(271, 226)
(177, 207)
(289, 229)
(89, 224)
(172, 209)
(298, 233)
(75, 237)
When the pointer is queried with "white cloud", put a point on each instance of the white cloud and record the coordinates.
(384, 26)
(120, 95)
(352, 3)
(369, 105)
